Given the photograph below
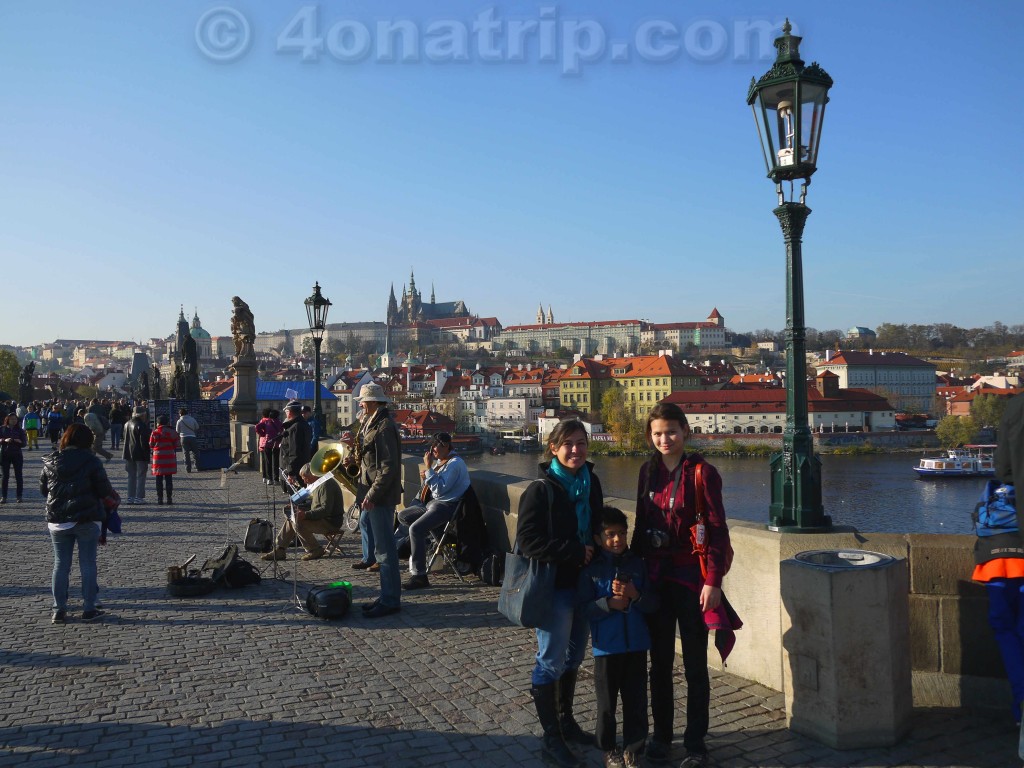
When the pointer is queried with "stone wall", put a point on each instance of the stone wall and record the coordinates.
(954, 659)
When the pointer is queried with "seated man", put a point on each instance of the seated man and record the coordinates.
(325, 515)
(446, 477)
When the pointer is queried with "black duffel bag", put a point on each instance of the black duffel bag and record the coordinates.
(328, 602)
(259, 536)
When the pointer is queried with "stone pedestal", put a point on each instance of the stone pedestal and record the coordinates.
(242, 405)
(846, 647)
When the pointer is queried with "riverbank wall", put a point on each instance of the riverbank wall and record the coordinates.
(826, 441)
(953, 658)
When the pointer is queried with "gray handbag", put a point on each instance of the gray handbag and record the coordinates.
(528, 589)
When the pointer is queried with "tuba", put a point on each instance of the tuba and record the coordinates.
(329, 460)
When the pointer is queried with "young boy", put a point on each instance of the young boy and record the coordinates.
(613, 593)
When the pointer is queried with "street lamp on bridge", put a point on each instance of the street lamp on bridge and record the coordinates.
(316, 312)
(789, 109)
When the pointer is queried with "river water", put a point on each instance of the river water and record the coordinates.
(878, 493)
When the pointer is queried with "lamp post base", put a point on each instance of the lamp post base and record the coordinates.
(796, 493)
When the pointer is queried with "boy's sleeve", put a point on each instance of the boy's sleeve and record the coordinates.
(594, 608)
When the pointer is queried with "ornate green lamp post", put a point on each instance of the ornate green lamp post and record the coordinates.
(789, 109)
(316, 312)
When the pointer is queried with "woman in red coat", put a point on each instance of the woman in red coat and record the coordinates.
(164, 444)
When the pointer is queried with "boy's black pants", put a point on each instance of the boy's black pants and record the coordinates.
(625, 675)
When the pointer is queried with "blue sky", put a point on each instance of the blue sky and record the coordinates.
(166, 153)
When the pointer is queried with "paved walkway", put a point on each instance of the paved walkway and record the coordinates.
(243, 678)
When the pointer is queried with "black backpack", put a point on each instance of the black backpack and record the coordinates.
(330, 603)
(259, 536)
(230, 570)
(492, 571)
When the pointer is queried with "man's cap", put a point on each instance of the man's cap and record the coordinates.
(293, 405)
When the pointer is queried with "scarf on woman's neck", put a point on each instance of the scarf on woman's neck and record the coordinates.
(578, 488)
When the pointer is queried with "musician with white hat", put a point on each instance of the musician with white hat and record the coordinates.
(378, 448)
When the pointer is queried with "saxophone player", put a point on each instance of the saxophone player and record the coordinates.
(379, 450)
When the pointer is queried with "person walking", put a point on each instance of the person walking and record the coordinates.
(136, 454)
(31, 423)
(163, 447)
(188, 430)
(119, 415)
(380, 490)
(95, 420)
(269, 430)
(665, 514)
(554, 526)
(12, 440)
(54, 425)
(74, 483)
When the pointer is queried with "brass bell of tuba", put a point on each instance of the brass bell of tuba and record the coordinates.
(329, 459)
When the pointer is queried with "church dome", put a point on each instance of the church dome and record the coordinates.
(198, 333)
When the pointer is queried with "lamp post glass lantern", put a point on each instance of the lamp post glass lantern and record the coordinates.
(316, 312)
(789, 110)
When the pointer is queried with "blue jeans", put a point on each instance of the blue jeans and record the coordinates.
(420, 519)
(1006, 617)
(116, 430)
(562, 641)
(87, 535)
(366, 537)
(382, 526)
(190, 451)
(136, 478)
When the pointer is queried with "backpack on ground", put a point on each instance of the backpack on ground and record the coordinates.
(492, 570)
(996, 512)
(329, 602)
(232, 571)
(259, 536)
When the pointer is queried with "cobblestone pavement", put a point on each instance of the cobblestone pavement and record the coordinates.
(244, 678)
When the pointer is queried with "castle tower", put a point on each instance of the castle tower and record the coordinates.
(540, 314)
(551, 316)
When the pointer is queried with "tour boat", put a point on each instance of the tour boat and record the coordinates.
(969, 461)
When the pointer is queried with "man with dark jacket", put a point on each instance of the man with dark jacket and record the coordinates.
(136, 454)
(295, 440)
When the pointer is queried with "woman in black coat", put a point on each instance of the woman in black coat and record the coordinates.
(554, 527)
(74, 483)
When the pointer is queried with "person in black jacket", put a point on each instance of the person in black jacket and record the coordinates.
(136, 454)
(74, 483)
(295, 440)
(554, 526)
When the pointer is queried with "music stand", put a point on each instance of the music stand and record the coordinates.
(295, 570)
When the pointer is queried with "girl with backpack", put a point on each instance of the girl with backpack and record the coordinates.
(666, 533)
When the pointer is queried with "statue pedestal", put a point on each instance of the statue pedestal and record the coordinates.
(242, 405)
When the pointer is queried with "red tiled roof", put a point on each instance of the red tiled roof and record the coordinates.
(587, 324)
(855, 357)
(774, 400)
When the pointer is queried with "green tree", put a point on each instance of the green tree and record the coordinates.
(956, 430)
(87, 391)
(9, 370)
(987, 410)
(620, 420)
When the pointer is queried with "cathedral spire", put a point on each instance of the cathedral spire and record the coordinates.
(551, 316)
(540, 313)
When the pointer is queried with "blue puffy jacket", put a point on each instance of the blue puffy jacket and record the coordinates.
(613, 631)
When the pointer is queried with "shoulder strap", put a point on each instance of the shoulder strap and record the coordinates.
(698, 491)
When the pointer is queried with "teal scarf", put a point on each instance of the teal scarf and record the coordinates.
(578, 488)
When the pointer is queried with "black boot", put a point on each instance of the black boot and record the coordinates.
(555, 751)
(571, 730)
